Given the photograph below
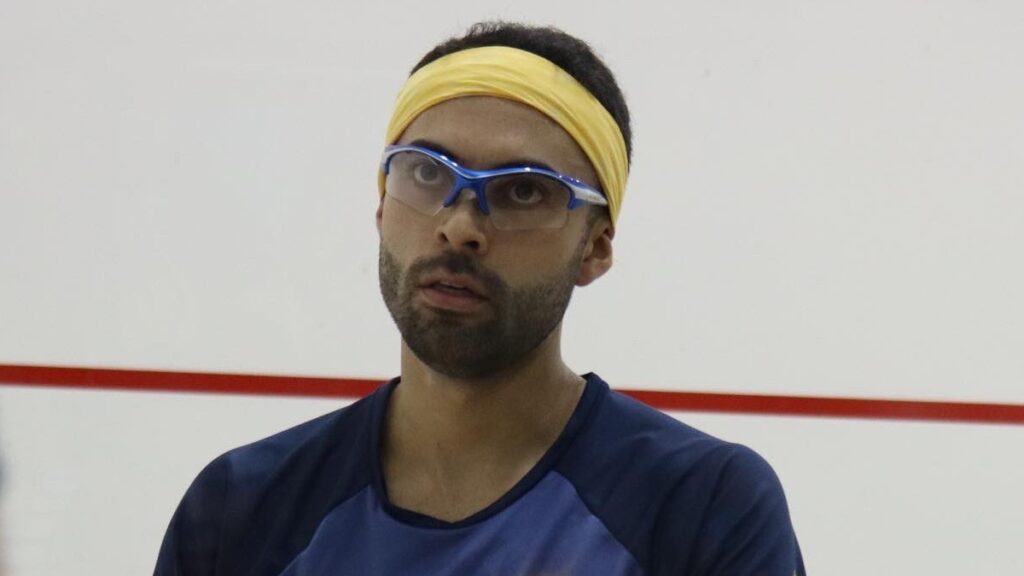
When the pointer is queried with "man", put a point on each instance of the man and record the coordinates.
(500, 186)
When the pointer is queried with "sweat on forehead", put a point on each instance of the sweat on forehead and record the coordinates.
(522, 76)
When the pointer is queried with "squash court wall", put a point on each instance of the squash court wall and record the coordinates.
(825, 200)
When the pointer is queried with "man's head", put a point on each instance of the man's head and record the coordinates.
(470, 298)
(567, 52)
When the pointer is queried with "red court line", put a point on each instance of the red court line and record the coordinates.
(205, 382)
(165, 381)
(833, 407)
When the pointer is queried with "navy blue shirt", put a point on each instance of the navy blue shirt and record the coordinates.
(625, 490)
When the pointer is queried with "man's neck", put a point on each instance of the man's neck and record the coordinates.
(463, 443)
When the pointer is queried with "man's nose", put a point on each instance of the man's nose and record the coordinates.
(463, 225)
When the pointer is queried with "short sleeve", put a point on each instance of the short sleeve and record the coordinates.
(190, 546)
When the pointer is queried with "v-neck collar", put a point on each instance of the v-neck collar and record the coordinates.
(595, 390)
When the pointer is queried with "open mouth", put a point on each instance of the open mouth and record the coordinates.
(453, 289)
(453, 296)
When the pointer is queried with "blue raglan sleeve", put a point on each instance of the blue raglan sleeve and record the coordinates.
(745, 529)
(190, 546)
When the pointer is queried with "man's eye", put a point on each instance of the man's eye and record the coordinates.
(525, 192)
(427, 173)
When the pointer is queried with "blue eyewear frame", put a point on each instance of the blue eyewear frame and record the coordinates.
(476, 180)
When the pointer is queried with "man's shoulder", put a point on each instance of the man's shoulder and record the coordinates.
(641, 451)
(275, 490)
(342, 432)
(659, 484)
(669, 452)
(624, 427)
(336, 445)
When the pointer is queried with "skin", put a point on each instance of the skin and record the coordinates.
(459, 436)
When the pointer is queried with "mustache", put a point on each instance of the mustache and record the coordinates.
(458, 263)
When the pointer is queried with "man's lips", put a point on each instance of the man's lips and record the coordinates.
(456, 293)
(455, 284)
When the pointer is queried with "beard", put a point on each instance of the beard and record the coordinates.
(462, 347)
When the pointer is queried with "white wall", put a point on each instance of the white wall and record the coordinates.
(825, 200)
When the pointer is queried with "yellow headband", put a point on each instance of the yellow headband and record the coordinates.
(524, 77)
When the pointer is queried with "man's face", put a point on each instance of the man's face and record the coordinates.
(520, 281)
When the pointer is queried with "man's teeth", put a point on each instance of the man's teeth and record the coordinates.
(452, 288)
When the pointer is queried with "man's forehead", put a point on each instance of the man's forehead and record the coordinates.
(458, 159)
(486, 131)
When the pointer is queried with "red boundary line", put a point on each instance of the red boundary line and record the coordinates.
(203, 382)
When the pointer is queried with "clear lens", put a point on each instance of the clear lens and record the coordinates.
(526, 201)
(418, 181)
(523, 201)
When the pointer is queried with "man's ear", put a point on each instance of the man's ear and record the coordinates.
(597, 256)
(380, 214)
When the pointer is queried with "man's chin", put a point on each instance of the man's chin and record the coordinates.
(459, 367)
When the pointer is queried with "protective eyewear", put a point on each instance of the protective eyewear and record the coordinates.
(515, 198)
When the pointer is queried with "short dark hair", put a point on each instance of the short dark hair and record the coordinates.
(567, 52)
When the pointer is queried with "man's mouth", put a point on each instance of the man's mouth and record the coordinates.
(456, 293)
(463, 285)
(454, 289)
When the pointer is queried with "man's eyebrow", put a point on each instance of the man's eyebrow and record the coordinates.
(436, 148)
(516, 163)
